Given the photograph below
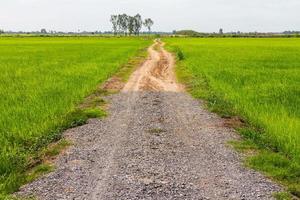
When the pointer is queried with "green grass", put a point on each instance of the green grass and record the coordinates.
(283, 196)
(278, 167)
(256, 79)
(274, 164)
(42, 81)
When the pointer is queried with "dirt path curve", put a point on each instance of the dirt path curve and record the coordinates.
(157, 143)
(156, 74)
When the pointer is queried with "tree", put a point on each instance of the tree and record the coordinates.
(1, 31)
(43, 31)
(138, 23)
(131, 22)
(148, 23)
(119, 23)
(114, 21)
(123, 22)
(221, 31)
(126, 24)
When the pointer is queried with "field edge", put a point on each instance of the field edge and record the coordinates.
(92, 106)
(257, 153)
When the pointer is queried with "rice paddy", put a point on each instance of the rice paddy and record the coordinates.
(42, 80)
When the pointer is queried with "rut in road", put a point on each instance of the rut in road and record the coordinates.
(157, 143)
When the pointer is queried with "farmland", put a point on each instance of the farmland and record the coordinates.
(42, 80)
(256, 79)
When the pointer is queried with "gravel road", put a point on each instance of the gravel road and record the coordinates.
(157, 143)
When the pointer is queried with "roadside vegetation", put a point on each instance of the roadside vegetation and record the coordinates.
(258, 81)
(42, 82)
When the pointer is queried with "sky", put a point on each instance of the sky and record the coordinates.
(168, 15)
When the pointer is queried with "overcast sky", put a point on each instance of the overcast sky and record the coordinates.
(200, 15)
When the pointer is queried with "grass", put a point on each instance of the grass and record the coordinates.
(283, 196)
(274, 164)
(278, 167)
(257, 80)
(156, 131)
(43, 80)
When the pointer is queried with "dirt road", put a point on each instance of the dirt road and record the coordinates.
(156, 74)
(157, 143)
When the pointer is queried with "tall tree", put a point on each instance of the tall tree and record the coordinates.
(123, 23)
(131, 25)
(148, 23)
(43, 31)
(126, 24)
(114, 22)
(138, 23)
(221, 31)
(119, 23)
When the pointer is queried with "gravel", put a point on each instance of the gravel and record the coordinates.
(154, 145)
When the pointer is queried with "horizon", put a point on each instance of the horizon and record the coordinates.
(143, 32)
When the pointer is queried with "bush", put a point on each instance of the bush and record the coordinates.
(179, 54)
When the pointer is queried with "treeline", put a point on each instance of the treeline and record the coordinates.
(238, 34)
(124, 24)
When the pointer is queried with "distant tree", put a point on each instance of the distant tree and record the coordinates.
(114, 21)
(123, 22)
(221, 31)
(138, 23)
(119, 23)
(126, 24)
(1, 31)
(148, 23)
(131, 25)
(43, 31)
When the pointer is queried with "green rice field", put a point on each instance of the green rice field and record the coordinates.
(41, 82)
(257, 79)
(44, 79)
